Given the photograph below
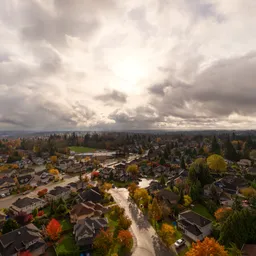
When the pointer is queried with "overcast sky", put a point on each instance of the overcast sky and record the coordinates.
(131, 64)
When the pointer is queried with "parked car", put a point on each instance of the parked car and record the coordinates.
(26, 192)
(180, 243)
(2, 195)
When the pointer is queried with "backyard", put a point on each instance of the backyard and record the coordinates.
(82, 149)
(200, 209)
(67, 245)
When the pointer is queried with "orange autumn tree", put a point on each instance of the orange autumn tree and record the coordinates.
(125, 239)
(208, 247)
(167, 234)
(222, 213)
(53, 229)
(103, 242)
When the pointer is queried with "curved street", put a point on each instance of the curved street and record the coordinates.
(147, 242)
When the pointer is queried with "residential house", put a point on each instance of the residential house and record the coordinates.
(244, 163)
(57, 193)
(7, 173)
(27, 238)
(43, 177)
(252, 170)
(38, 160)
(86, 230)
(7, 185)
(168, 197)
(27, 204)
(77, 168)
(24, 180)
(154, 186)
(86, 210)
(231, 184)
(77, 186)
(194, 225)
(92, 195)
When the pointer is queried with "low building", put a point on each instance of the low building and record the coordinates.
(87, 229)
(86, 210)
(57, 193)
(194, 225)
(27, 204)
(27, 238)
(77, 186)
(245, 163)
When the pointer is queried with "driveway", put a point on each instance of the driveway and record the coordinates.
(147, 242)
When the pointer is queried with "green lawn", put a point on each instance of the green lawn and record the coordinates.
(66, 224)
(67, 245)
(82, 149)
(200, 209)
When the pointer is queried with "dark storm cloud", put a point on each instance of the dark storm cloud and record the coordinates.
(158, 89)
(111, 97)
(226, 87)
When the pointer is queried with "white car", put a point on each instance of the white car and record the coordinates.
(179, 243)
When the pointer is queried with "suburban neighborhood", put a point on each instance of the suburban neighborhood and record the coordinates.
(160, 194)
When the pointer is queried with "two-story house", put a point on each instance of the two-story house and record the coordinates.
(27, 204)
(194, 225)
(27, 238)
(86, 210)
(58, 192)
(87, 229)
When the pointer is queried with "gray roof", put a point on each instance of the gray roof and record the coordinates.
(17, 240)
(58, 190)
(86, 230)
(6, 179)
(195, 218)
(23, 202)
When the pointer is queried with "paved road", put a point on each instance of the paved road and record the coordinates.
(147, 241)
(7, 201)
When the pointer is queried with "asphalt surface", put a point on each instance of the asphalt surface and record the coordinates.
(147, 242)
(6, 202)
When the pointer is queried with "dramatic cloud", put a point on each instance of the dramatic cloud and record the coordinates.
(112, 64)
(112, 96)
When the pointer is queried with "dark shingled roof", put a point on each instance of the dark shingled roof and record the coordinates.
(23, 202)
(17, 240)
(58, 190)
(195, 218)
(191, 228)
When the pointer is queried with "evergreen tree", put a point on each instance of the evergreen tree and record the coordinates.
(237, 204)
(215, 146)
(162, 180)
(182, 163)
(230, 152)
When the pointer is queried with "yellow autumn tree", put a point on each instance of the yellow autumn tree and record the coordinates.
(141, 196)
(54, 159)
(133, 169)
(216, 163)
(208, 247)
(167, 234)
(54, 172)
(248, 192)
(187, 200)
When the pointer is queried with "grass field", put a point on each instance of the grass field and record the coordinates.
(67, 245)
(200, 209)
(82, 149)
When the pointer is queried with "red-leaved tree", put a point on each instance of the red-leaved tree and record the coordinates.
(125, 239)
(53, 229)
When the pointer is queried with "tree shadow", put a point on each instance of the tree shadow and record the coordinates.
(140, 219)
(160, 248)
